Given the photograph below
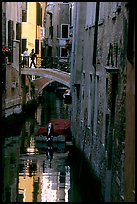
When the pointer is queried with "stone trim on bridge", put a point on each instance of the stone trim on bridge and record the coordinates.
(53, 74)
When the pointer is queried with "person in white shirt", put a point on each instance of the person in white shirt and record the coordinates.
(26, 57)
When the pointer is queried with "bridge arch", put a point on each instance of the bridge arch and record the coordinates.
(50, 75)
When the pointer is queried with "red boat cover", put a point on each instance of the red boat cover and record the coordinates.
(60, 127)
(42, 131)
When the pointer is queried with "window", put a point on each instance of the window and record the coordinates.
(63, 52)
(24, 16)
(64, 31)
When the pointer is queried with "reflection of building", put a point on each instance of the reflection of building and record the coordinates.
(54, 179)
(38, 114)
(27, 142)
(10, 171)
(28, 173)
(28, 181)
(41, 182)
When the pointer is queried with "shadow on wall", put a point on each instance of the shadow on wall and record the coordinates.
(84, 177)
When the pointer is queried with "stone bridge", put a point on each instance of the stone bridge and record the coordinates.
(47, 76)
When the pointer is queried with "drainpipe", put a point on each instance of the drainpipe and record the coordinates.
(73, 49)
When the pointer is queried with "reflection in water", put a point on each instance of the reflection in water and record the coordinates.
(52, 107)
(10, 165)
(31, 172)
(43, 177)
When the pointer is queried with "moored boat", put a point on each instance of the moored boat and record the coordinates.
(59, 127)
(56, 131)
(44, 138)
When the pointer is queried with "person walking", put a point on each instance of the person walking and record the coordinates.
(32, 56)
(26, 57)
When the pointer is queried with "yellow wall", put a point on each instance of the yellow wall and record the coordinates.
(29, 29)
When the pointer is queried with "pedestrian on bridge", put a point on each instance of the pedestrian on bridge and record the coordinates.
(26, 57)
(33, 56)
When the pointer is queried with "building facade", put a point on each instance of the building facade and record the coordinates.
(32, 22)
(11, 43)
(129, 164)
(21, 28)
(98, 80)
(32, 37)
(57, 32)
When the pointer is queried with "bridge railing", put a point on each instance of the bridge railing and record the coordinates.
(49, 62)
(54, 62)
(38, 62)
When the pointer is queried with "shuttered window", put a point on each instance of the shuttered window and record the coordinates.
(39, 14)
(10, 33)
(24, 11)
(3, 28)
(18, 31)
(37, 46)
(51, 31)
(24, 44)
(24, 16)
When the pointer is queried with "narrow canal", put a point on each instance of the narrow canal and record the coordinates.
(33, 174)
